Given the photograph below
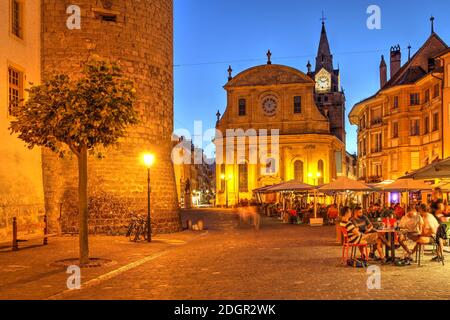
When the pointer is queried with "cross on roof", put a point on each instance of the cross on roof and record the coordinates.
(323, 19)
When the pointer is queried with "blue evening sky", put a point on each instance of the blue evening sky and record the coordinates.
(211, 34)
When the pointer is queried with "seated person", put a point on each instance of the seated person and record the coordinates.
(399, 212)
(428, 227)
(333, 212)
(410, 228)
(356, 237)
(361, 221)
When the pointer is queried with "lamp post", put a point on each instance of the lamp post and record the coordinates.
(316, 182)
(149, 159)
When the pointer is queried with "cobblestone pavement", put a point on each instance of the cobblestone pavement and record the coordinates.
(233, 261)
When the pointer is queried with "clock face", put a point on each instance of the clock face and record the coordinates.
(270, 105)
(323, 83)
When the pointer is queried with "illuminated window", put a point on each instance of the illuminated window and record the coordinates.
(222, 181)
(320, 172)
(435, 121)
(415, 127)
(16, 18)
(395, 129)
(243, 177)
(242, 107)
(414, 99)
(15, 90)
(298, 170)
(298, 104)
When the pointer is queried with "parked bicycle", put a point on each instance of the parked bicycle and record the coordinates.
(138, 228)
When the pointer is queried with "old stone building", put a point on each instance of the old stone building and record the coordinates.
(139, 36)
(193, 174)
(306, 109)
(21, 187)
(405, 125)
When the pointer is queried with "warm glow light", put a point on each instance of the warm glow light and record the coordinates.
(149, 159)
(319, 175)
(230, 176)
(310, 175)
(222, 176)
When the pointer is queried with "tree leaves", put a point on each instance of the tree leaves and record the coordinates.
(92, 111)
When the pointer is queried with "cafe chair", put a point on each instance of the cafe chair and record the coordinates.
(346, 246)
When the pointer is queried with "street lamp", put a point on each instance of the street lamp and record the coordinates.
(316, 183)
(149, 159)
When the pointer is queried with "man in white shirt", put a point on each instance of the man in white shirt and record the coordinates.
(409, 225)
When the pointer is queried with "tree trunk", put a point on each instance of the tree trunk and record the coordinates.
(83, 205)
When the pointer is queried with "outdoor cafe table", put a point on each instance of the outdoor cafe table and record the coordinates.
(390, 232)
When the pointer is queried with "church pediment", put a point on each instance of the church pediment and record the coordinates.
(267, 75)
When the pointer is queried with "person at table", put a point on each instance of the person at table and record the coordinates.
(361, 221)
(428, 227)
(399, 212)
(356, 237)
(410, 229)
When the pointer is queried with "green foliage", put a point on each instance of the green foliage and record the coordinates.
(85, 113)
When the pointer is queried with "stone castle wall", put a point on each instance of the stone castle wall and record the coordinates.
(141, 41)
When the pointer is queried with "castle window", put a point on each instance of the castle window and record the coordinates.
(320, 172)
(298, 104)
(427, 95)
(395, 102)
(242, 107)
(414, 99)
(436, 91)
(243, 177)
(415, 127)
(15, 89)
(395, 129)
(222, 181)
(298, 170)
(435, 121)
(426, 125)
(16, 18)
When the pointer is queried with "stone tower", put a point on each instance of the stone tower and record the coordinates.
(329, 95)
(139, 36)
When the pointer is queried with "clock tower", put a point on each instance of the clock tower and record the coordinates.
(329, 95)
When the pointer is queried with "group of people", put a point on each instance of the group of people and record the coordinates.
(419, 224)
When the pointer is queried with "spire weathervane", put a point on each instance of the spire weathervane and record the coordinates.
(269, 55)
(230, 71)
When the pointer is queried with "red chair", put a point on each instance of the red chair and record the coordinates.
(346, 246)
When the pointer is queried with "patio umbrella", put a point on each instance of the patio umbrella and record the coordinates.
(436, 170)
(405, 185)
(292, 185)
(345, 184)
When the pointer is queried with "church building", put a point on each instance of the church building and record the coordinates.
(306, 109)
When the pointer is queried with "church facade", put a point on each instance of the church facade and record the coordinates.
(303, 115)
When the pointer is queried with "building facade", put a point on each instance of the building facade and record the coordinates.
(138, 35)
(194, 178)
(21, 185)
(405, 125)
(303, 117)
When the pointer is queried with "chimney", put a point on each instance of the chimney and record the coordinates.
(396, 59)
(383, 72)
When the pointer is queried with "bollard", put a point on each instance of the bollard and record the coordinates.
(15, 245)
(45, 230)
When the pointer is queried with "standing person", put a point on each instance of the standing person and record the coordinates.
(356, 237)
(437, 203)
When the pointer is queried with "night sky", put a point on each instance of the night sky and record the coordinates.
(211, 34)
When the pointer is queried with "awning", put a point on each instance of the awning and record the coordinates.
(292, 185)
(403, 185)
(345, 184)
(436, 170)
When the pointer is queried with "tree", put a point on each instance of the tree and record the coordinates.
(78, 116)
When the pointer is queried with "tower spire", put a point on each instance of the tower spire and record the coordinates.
(324, 58)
